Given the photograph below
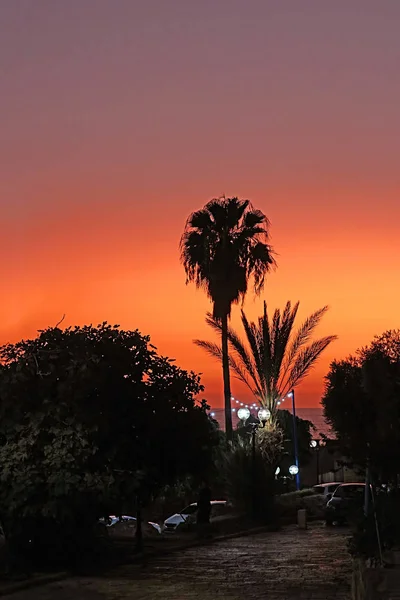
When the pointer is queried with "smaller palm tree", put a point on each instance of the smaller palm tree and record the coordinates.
(275, 358)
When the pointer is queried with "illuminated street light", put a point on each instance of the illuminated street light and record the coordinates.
(293, 469)
(243, 414)
(263, 415)
(316, 445)
(295, 442)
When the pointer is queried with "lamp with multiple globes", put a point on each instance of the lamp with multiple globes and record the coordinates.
(263, 416)
(316, 445)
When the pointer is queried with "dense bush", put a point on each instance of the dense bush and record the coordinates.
(249, 487)
(385, 521)
(288, 504)
(92, 420)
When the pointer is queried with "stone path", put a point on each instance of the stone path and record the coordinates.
(285, 565)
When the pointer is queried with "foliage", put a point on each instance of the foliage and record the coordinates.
(304, 436)
(364, 540)
(288, 504)
(292, 497)
(275, 441)
(274, 358)
(223, 246)
(93, 419)
(362, 405)
(242, 477)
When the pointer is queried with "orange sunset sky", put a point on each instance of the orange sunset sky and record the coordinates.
(119, 118)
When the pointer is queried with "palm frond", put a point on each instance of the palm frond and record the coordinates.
(216, 352)
(237, 346)
(265, 335)
(251, 335)
(281, 338)
(241, 374)
(244, 357)
(260, 262)
(200, 219)
(213, 349)
(254, 218)
(304, 361)
(302, 337)
(213, 322)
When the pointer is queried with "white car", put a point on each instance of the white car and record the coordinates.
(126, 522)
(326, 489)
(219, 508)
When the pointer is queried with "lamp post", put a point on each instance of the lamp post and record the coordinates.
(263, 415)
(316, 445)
(295, 442)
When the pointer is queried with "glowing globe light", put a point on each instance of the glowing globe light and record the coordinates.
(293, 469)
(264, 414)
(313, 443)
(243, 414)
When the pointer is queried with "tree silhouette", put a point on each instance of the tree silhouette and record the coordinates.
(275, 359)
(223, 246)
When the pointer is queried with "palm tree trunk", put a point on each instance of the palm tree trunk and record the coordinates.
(226, 376)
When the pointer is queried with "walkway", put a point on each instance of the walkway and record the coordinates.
(286, 565)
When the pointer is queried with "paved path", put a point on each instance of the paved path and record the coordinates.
(286, 565)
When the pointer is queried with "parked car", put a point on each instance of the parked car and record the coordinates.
(126, 524)
(188, 515)
(326, 489)
(347, 500)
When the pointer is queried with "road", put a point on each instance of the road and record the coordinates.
(287, 565)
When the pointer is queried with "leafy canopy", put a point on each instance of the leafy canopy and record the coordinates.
(362, 404)
(92, 416)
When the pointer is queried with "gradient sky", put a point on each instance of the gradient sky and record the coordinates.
(120, 117)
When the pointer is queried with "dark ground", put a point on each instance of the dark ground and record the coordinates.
(285, 565)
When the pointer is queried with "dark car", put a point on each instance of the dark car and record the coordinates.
(347, 501)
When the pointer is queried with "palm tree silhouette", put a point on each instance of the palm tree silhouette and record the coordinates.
(223, 246)
(275, 359)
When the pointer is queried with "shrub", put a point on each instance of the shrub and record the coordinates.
(249, 487)
(288, 504)
(364, 540)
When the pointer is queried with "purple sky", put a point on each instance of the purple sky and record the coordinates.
(120, 117)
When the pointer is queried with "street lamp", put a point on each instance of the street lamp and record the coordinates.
(243, 414)
(293, 469)
(263, 416)
(316, 445)
(295, 443)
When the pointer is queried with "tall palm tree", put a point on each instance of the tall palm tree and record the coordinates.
(223, 246)
(275, 358)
